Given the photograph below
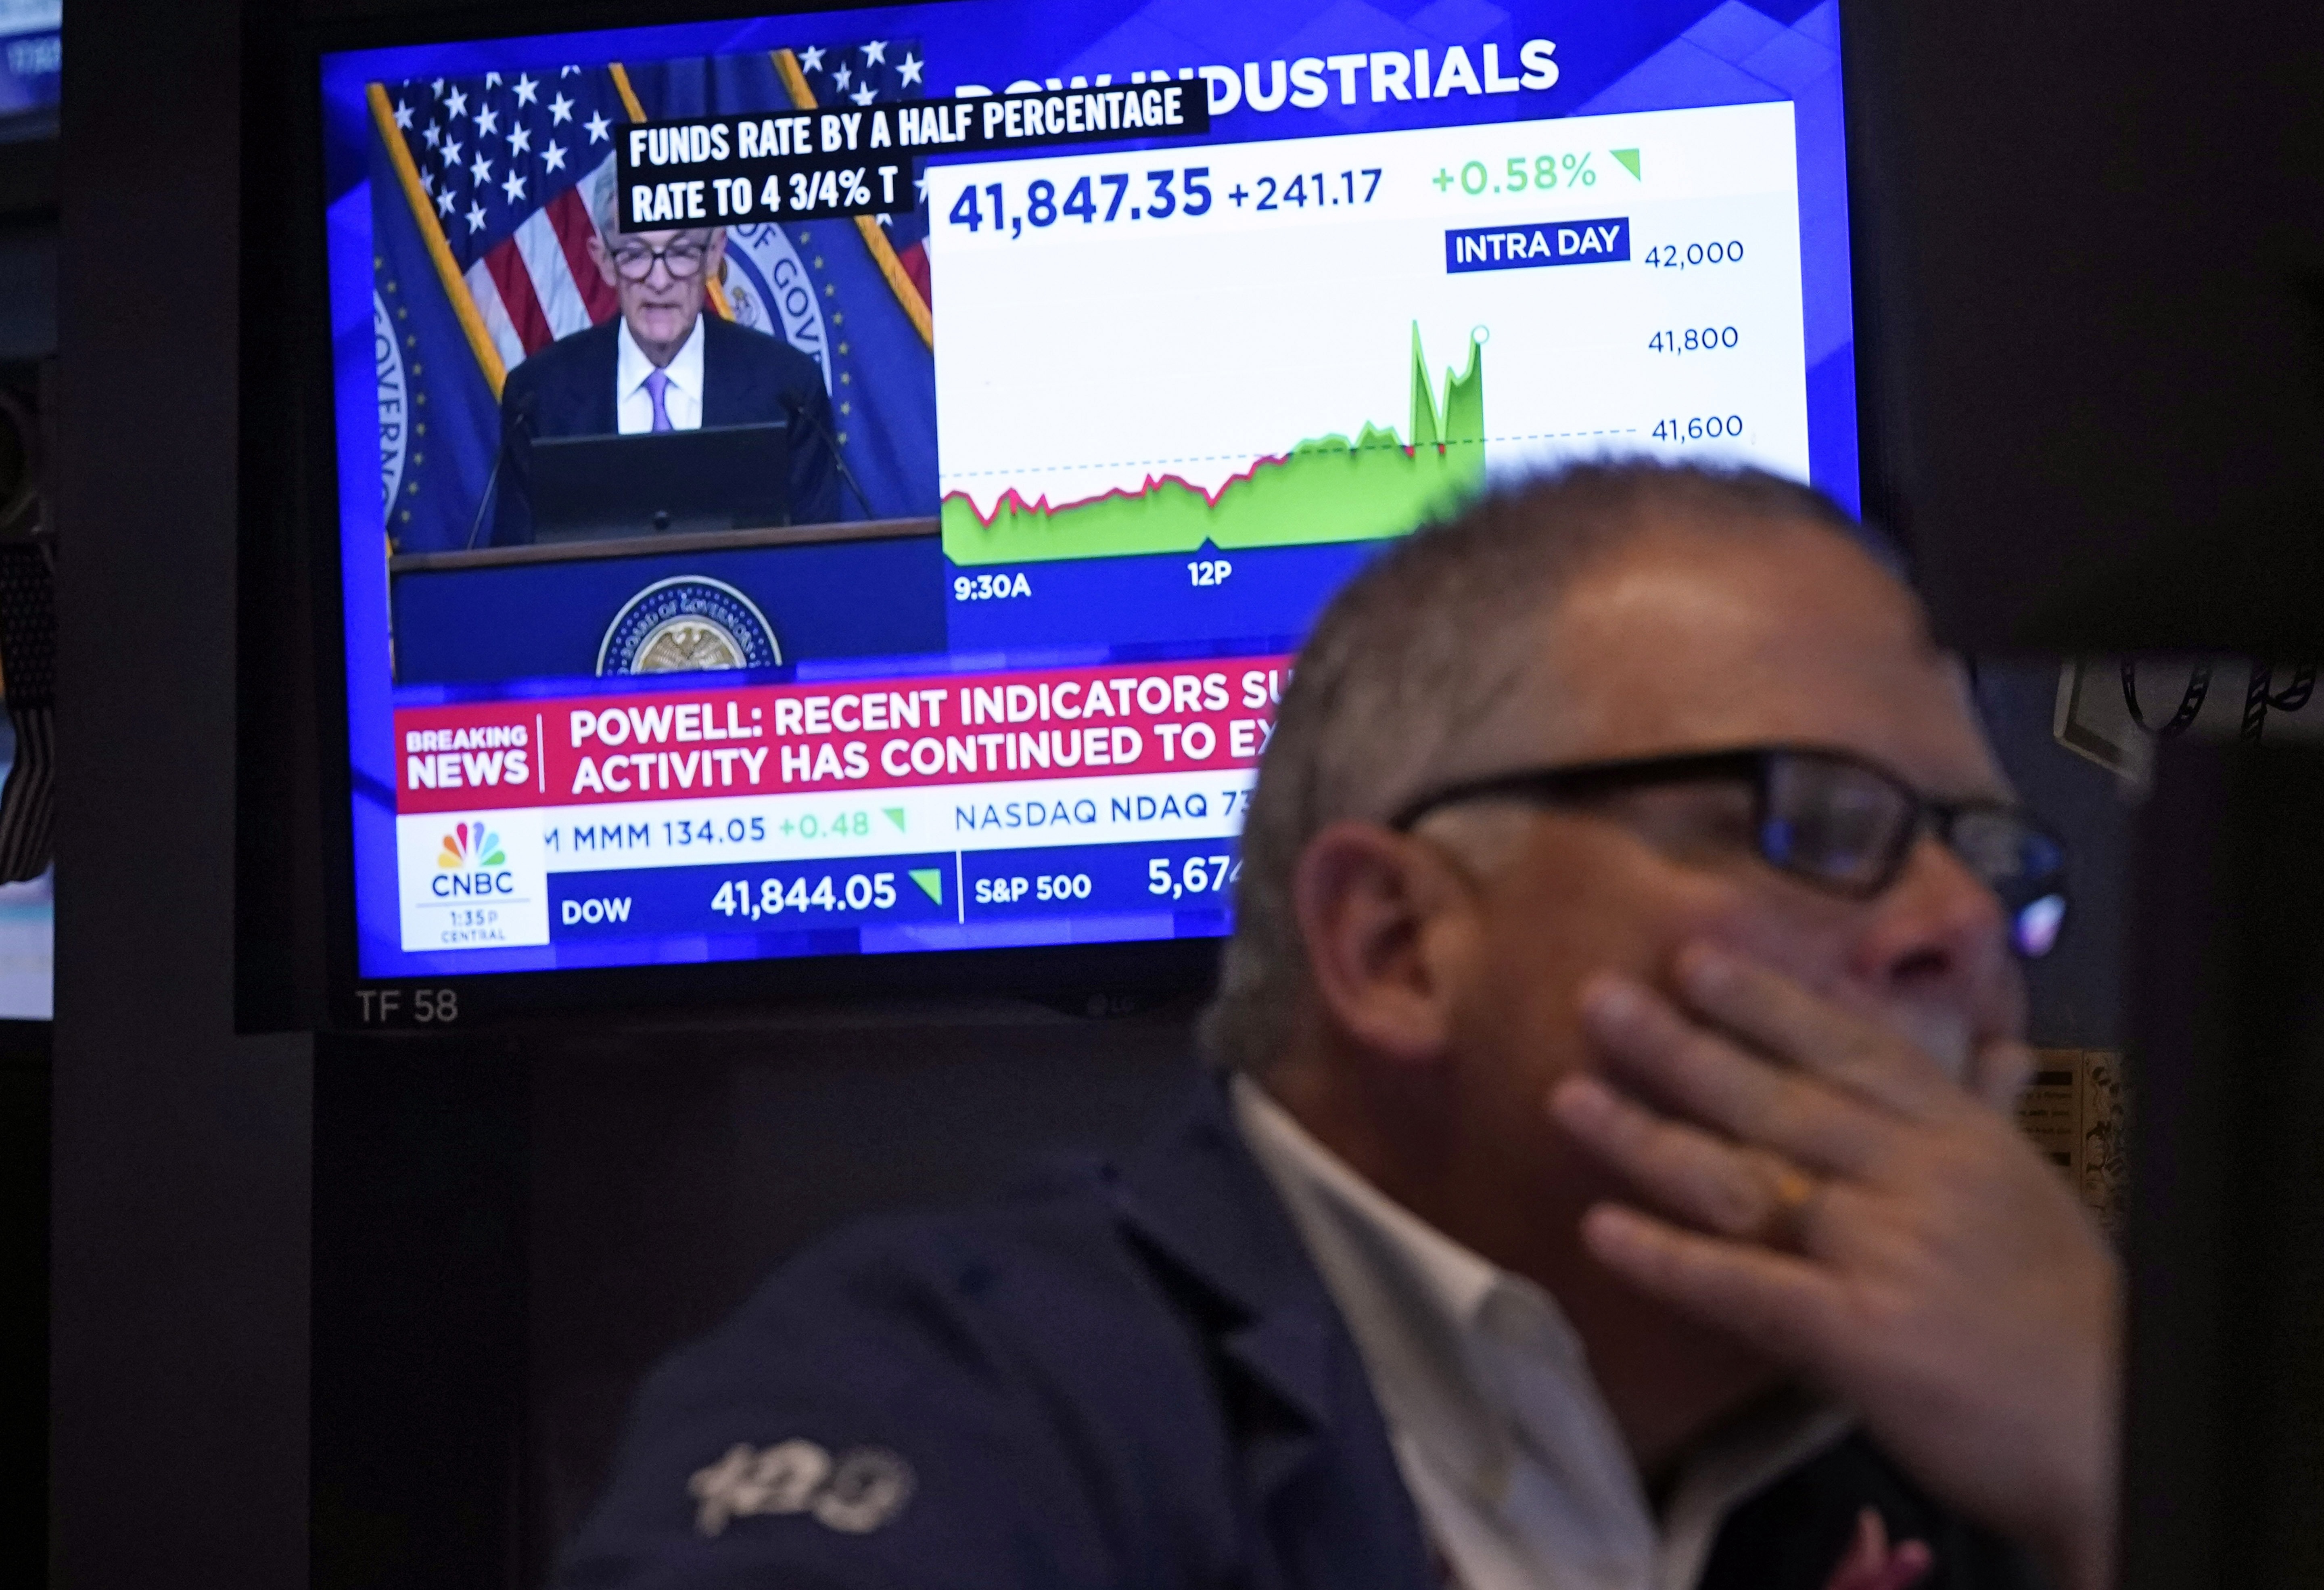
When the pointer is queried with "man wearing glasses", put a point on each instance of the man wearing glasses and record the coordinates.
(662, 365)
(1607, 1179)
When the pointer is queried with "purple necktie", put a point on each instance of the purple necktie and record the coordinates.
(657, 384)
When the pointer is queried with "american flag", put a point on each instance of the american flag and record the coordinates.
(510, 161)
(886, 70)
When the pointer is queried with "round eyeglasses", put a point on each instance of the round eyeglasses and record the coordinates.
(682, 259)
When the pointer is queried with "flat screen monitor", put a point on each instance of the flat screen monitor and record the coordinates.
(31, 62)
(712, 478)
(1111, 338)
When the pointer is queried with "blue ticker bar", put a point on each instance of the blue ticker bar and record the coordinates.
(1189, 881)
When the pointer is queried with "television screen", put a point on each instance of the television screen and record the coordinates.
(31, 60)
(852, 483)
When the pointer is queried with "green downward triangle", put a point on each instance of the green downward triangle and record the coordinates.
(1629, 159)
(931, 881)
(895, 814)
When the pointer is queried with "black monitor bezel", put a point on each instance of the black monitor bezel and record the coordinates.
(297, 966)
(294, 910)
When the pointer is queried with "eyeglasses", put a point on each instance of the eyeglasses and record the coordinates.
(1827, 817)
(682, 259)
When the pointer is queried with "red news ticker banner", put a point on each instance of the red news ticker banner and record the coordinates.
(807, 739)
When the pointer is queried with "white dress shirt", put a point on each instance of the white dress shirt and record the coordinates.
(681, 399)
(1518, 1470)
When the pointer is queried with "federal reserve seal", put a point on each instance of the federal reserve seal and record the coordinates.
(394, 402)
(689, 625)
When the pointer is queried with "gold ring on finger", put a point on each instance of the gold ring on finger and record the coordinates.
(1789, 1192)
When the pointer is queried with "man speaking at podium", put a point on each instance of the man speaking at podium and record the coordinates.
(662, 365)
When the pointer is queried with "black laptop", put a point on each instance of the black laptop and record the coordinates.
(719, 478)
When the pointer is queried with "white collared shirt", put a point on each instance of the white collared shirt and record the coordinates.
(681, 399)
(1518, 1470)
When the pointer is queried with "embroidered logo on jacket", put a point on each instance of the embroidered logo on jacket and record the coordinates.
(867, 1487)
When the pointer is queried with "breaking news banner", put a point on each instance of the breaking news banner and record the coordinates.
(941, 730)
(814, 164)
(878, 805)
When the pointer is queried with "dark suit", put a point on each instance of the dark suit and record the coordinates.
(1131, 1377)
(747, 378)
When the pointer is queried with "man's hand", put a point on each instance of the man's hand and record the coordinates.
(1851, 1211)
(1870, 1564)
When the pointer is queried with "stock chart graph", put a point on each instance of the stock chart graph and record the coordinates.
(1139, 358)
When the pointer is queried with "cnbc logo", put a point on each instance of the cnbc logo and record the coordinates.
(471, 862)
(469, 845)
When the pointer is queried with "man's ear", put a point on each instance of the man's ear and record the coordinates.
(1381, 914)
(602, 260)
(714, 258)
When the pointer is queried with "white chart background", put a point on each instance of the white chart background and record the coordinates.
(1080, 357)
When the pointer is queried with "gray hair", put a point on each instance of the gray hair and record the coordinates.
(605, 194)
(1411, 658)
(604, 205)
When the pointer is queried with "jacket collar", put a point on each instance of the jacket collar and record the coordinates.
(1314, 1446)
(1195, 1198)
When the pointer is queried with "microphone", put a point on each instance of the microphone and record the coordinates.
(799, 411)
(519, 419)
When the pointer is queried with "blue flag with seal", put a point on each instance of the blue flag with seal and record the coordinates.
(438, 415)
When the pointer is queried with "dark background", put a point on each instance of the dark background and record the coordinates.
(398, 1288)
(509, 1231)
(27, 335)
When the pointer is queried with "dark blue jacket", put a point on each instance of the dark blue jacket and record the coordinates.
(1133, 1377)
(747, 378)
